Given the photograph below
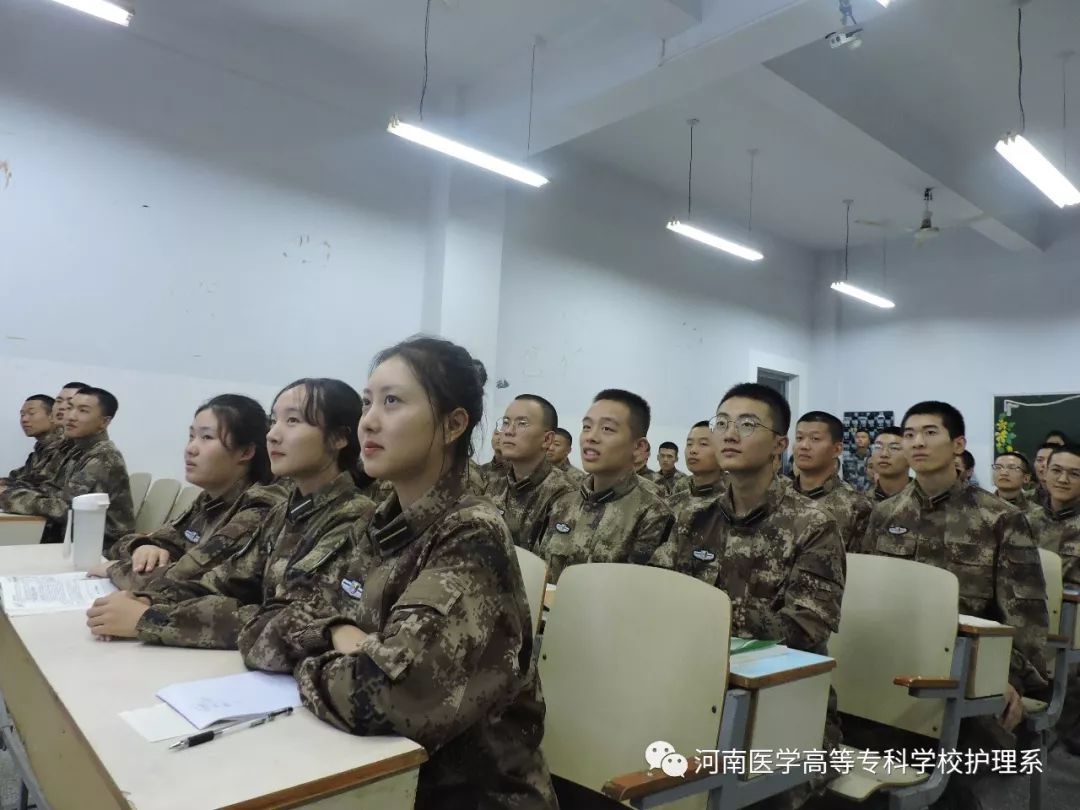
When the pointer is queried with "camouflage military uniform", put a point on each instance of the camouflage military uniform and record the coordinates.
(378, 491)
(526, 504)
(689, 498)
(848, 509)
(1059, 532)
(988, 545)
(574, 475)
(782, 565)
(306, 541)
(448, 657)
(625, 524)
(93, 464)
(854, 470)
(1033, 510)
(493, 470)
(667, 483)
(881, 495)
(43, 462)
(203, 536)
(475, 480)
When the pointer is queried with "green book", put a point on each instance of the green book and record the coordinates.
(744, 645)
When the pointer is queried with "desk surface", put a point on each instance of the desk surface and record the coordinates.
(94, 681)
(761, 673)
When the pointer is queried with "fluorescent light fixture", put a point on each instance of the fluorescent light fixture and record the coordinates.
(467, 153)
(884, 3)
(100, 8)
(712, 240)
(862, 295)
(1030, 162)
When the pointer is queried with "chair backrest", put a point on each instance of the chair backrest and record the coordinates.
(1051, 566)
(184, 500)
(140, 482)
(534, 573)
(632, 655)
(898, 618)
(155, 508)
(20, 530)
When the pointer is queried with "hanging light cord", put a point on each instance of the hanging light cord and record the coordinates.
(427, 31)
(1020, 73)
(690, 174)
(1065, 113)
(750, 214)
(532, 95)
(847, 237)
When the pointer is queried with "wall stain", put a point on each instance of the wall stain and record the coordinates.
(5, 173)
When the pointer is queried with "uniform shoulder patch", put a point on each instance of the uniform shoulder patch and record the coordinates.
(704, 555)
(898, 530)
(192, 536)
(562, 528)
(352, 588)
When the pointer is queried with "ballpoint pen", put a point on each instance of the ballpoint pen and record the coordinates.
(213, 734)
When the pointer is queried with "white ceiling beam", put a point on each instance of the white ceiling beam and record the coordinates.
(664, 18)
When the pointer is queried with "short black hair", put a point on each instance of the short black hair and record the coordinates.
(1070, 448)
(44, 398)
(550, 415)
(857, 432)
(891, 430)
(1048, 446)
(703, 423)
(836, 427)
(779, 410)
(565, 434)
(76, 385)
(1016, 454)
(951, 418)
(1057, 434)
(108, 403)
(669, 446)
(640, 412)
(967, 460)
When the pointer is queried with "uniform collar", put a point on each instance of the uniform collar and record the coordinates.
(773, 496)
(933, 503)
(672, 474)
(1020, 501)
(301, 507)
(53, 437)
(624, 486)
(1071, 509)
(535, 479)
(830, 485)
(393, 528)
(706, 489)
(228, 498)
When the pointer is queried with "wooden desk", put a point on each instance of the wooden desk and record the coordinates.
(65, 690)
(19, 530)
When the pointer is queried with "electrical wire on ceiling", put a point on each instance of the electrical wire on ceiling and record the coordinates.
(532, 95)
(693, 122)
(750, 206)
(1065, 57)
(1020, 73)
(427, 33)
(847, 235)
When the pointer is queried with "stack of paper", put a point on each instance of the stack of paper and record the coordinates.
(233, 697)
(751, 649)
(51, 593)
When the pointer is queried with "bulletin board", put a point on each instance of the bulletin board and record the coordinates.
(1021, 421)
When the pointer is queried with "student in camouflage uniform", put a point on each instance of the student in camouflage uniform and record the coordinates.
(525, 491)
(890, 464)
(771, 550)
(226, 456)
(668, 477)
(496, 468)
(312, 441)
(93, 464)
(706, 480)
(819, 444)
(984, 541)
(429, 634)
(854, 463)
(641, 462)
(1012, 475)
(614, 517)
(1042, 456)
(558, 454)
(35, 419)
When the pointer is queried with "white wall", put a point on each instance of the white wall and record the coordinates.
(596, 293)
(170, 229)
(972, 321)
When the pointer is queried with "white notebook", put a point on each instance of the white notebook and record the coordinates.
(232, 697)
(51, 593)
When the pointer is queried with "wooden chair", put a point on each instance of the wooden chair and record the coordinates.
(155, 508)
(140, 483)
(534, 573)
(899, 626)
(184, 501)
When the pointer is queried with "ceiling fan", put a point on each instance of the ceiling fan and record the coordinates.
(926, 229)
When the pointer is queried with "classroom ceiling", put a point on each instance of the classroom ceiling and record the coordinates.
(921, 103)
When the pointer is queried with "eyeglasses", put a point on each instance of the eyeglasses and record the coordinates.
(1057, 471)
(521, 423)
(893, 447)
(745, 425)
(1006, 468)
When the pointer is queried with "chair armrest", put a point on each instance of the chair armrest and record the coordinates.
(921, 682)
(1071, 596)
(1058, 641)
(639, 784)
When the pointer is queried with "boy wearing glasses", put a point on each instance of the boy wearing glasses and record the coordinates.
(1058, 527)
(529, 485)
(1012, 475)
(890, 465)
(819, 444)
(985, 542)
(614, 517)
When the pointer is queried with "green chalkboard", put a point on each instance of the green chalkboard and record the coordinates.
(1021, 422)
